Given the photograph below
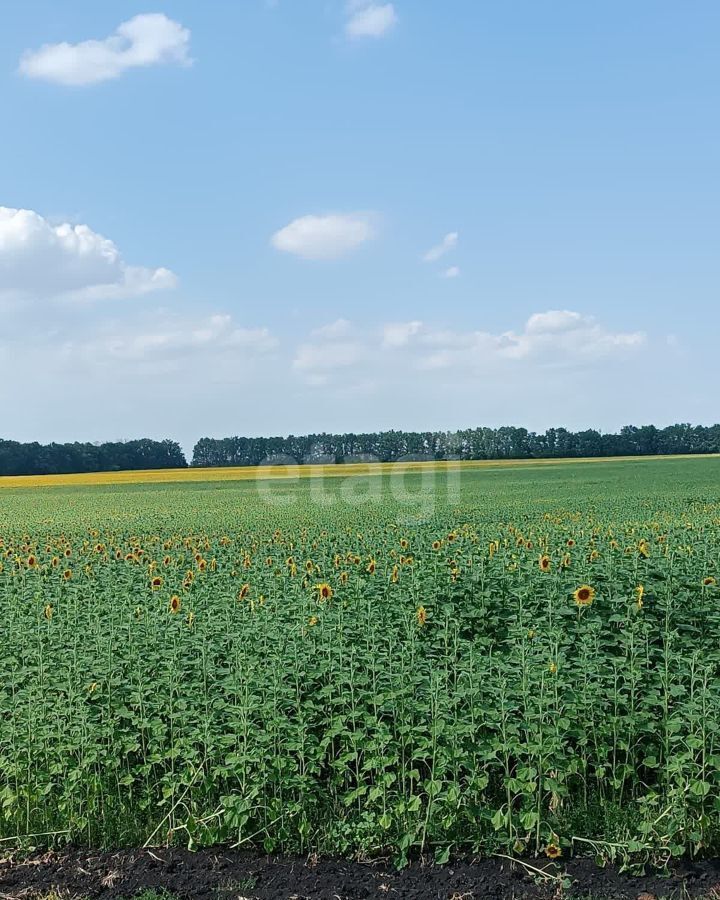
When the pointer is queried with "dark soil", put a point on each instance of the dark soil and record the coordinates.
(223, 874)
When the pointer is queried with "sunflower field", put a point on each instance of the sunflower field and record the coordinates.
(529, 664)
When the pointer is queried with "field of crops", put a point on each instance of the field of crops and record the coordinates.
(519, 660)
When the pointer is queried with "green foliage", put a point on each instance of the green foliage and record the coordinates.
(506, 442)
(508, 718)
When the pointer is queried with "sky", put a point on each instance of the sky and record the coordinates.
(267, 217)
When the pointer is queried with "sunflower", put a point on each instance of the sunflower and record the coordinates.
(436, 545)
(552, 667)
(32, 561)
(48, 611)
(404, 543)
(394, 574)
(343, 577)
(421, 615)
(243, 592)
(156, 583)
(175, 604)
(544, 563)
(552, 851)
(325, 592)
(570, 542)
(371, 566)
(709, 581)
(67, 574)
(313, 620)
(584, 595)
(166, 560)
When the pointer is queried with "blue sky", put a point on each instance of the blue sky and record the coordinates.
(271, 177)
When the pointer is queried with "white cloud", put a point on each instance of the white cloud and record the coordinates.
(340, 328)
(179, 352)
(398, 334)
(558, 368)
(331, 348)
(370, 19)
(324, 237)
(549, 340)
(451, 272)
(38, 259)
(178, 337)
(145, 40)
(555, 338)
(448, 243)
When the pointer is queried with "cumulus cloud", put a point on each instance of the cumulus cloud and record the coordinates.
(369, 19)
(398, 334)
(324, 237)
(145, 40)
(39, 259)
(173, 338)
(342, 376)
(552, 339)
(333, 347)
(180, 352)
(448, 243)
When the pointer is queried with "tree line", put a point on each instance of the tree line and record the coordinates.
(472, 443)
(62, 459)
(386, 446)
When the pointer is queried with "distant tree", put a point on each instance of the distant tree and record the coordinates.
(62, 459)
(507, 442)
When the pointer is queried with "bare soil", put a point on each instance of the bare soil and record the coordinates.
(225, 874)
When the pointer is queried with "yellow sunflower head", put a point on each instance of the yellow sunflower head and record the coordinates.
(584, 595)
(553, 851)
(325, 592)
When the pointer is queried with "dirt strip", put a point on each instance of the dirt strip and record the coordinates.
(224, 874)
